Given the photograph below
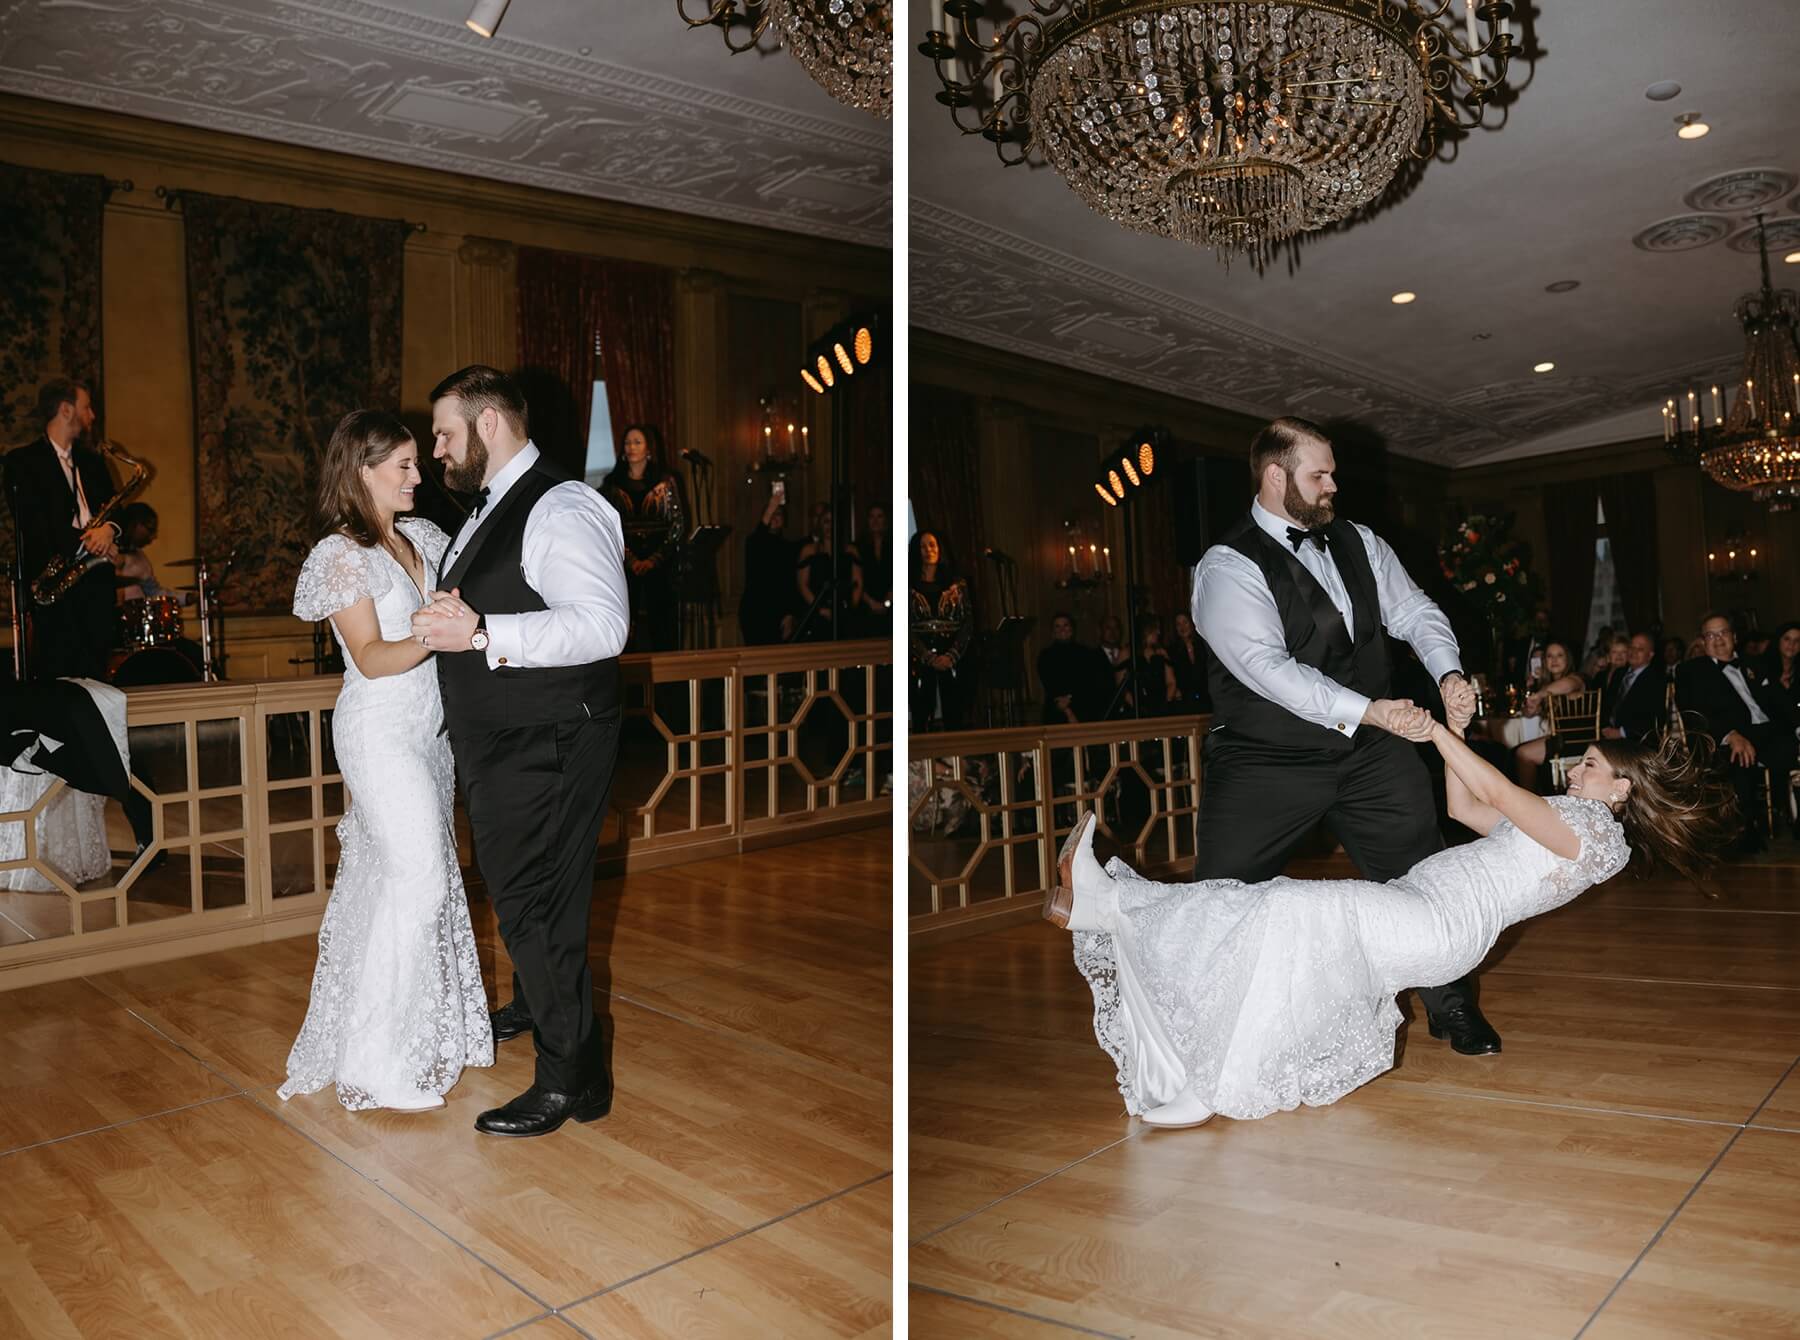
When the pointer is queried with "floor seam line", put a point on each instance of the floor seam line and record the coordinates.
(727, 1241)
(1674, 1214)
(1017, 1312)
(1019, 1191)
(435, 1227)
(1576, 1107)
(1653, 981)
(129, 1121)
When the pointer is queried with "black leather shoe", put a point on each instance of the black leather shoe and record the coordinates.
(1469, 1033)
(539, 1111)
(510, 1020)
(157, 862)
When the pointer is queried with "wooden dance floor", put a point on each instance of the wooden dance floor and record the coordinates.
(155, 1186)
(1628, 1168)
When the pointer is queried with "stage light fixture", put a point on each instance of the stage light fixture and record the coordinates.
(1146, 458)
(843, 358)
(485, 17)
(1106, 497)
(812, 381)
(1130, 471)
(865, 343)
(1118, 485)
(825, 373)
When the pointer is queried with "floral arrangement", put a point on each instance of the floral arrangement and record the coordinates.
(1486, 565)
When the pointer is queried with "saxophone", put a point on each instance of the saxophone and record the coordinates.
(64, 570)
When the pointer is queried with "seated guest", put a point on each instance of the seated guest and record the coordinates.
(1187, 653)
(1782, 665)
(1636, 708)
(1611, 669)
(1525, 656)
(1736, 704)
(1673, 651)
(1526, 732)
(1600, 657)
(876, 557)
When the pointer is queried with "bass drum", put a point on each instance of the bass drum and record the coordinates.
(155, 665)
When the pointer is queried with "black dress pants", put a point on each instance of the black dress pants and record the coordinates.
(74, 637)
(536, 797)
(1775, 751)
(1258, 801)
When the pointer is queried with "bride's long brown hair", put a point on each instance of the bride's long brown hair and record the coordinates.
(1681, 812)
(363, 437)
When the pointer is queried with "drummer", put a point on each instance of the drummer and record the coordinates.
(136, 574)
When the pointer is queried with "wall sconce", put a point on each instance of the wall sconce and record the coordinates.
(1735, 559)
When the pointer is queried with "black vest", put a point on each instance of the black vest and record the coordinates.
(1315, 636)
(490, 574)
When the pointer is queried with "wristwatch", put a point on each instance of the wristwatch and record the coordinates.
(478, 640)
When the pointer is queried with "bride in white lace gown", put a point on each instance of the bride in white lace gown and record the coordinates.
(397, 1006)
(1247, 999)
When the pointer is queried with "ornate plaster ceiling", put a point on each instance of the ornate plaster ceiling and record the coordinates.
(653, 114)
(1584, 165)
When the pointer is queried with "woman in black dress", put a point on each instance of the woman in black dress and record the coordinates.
(943, 626)
(647, 498)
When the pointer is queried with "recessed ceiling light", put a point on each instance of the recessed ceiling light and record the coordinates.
(1662, 90)
(1401, 299)
(1543, 367)
(1563, 286)
(1692, 127)
(587, 51)
(1792, 258)
(485, 17)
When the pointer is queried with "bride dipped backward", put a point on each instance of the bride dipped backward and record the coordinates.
(1677, 809)
(367, 478)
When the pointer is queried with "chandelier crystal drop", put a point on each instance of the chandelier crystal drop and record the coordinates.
(1224, 123)
(845, 46)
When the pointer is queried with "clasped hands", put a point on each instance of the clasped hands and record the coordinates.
(101, 540)
(444, 622)
(1403, 717)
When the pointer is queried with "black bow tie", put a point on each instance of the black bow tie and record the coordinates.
(481, 497)
(1297, 537)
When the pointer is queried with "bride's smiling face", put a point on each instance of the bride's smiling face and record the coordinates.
(391, 484)
(1593, 779)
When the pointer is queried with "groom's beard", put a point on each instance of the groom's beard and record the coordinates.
(467, 477)
(1310, 515)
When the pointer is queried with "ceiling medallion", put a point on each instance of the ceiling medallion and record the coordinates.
(1783, 235)
(1740, 191)
(845, 46)
(1683, 233)
(1226, 123)
(1747, 437)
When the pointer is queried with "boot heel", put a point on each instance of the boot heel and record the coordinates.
(1059, 903)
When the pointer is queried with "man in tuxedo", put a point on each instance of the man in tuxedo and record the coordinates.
(56, 485)
(1739, 707)
(529, 618)
(1636, 710)
(1296, 605)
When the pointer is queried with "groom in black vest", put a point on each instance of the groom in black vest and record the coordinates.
(528, 623)
(1296, 607)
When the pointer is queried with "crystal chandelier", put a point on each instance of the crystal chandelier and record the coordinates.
(1224, 123)
(1746, 438)
(845, 46)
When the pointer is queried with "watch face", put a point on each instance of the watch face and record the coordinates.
(478, 640)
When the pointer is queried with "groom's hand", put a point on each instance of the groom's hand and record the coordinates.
(446, 623)
(1397, 716)
(1459, 700)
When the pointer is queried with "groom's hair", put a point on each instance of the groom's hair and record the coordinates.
(480, 387)
(1279, 441)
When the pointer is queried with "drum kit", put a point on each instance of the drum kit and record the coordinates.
(155, 652)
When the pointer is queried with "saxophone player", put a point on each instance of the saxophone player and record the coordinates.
(56, 486)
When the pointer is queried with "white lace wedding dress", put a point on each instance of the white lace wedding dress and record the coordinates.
(1255, 998)
(397, 1005)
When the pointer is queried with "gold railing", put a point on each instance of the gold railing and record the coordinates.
(988, 810)
(720, 752)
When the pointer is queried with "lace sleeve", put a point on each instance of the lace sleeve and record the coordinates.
(337, 573)
(1604, 851)
(432, 542)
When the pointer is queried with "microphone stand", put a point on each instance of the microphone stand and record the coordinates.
(21, 591)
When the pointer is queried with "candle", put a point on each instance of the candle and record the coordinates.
(1750, 390)
(1108, 554)
(937, 16)
(999, 87)
(1693, 413)
(1668, 432)
(790, 439)
(805, 442)
(1071, 567)
(1472, 42)
(1718, 416)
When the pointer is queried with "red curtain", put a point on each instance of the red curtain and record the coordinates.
(1569, 517)
(1630, 503)
(565, 301)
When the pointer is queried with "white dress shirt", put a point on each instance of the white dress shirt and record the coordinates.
(1735, 677)
(65, 456)
(573, 556)
(1235, 612)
